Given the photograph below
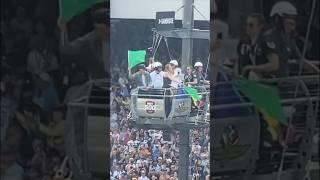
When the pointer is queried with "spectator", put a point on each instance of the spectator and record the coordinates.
(249, 47)
(142, 77)
(157, 76)
(143, 176)
(188, 76)
(92, 46)
(40, 58)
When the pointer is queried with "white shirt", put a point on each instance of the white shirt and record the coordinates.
(177, 71)
(143, 178)
(177, 75)
(130, 144)
(156, 79)
(115, 173)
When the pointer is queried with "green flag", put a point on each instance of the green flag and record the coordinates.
(193, 93)
(265, 98)
(136, 57)
(71, 8)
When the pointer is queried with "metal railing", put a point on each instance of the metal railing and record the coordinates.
(93, 95)
(163, 93)
(304, 117)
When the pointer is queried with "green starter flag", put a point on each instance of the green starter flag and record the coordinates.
(265, 98)
(136, 57)
(193, 93)
(71, 8)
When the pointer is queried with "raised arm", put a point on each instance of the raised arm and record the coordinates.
(67, 47)
(171, 77)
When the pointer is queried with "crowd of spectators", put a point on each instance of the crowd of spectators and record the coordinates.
(144, 154)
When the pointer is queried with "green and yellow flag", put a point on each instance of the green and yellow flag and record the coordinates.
(193, 93)
(70, 8)
(136, 57)
(267, 101)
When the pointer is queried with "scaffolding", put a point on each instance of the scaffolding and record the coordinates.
(249, 157)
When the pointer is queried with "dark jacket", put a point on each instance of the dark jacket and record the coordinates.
(137, 77)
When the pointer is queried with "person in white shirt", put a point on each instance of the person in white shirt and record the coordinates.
(174, 64)
(157, 76)
(177, 71)
(116, 172)
(143, 176)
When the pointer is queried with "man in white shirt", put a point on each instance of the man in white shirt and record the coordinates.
(157, 76)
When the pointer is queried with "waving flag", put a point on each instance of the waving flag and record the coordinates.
(136, 57)
(193, 93)
(70, 8)
(267, 101)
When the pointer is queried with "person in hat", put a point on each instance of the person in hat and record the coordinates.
(157, 76)
(92, 48)
(177, 72)
(278, 44)
(199, 77)
(142, 77)
(174, 64)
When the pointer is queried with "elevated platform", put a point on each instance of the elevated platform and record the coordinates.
(163, 108)
(177, 123)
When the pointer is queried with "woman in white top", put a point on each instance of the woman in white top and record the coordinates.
(169, 77)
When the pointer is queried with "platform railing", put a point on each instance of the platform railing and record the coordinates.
(304, 116)
(77, 122)
(173, 94)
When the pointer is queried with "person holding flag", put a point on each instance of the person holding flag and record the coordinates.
(142, 77)
(92, 48)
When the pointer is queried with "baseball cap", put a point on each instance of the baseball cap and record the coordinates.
(174, 62)
(141, 66)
